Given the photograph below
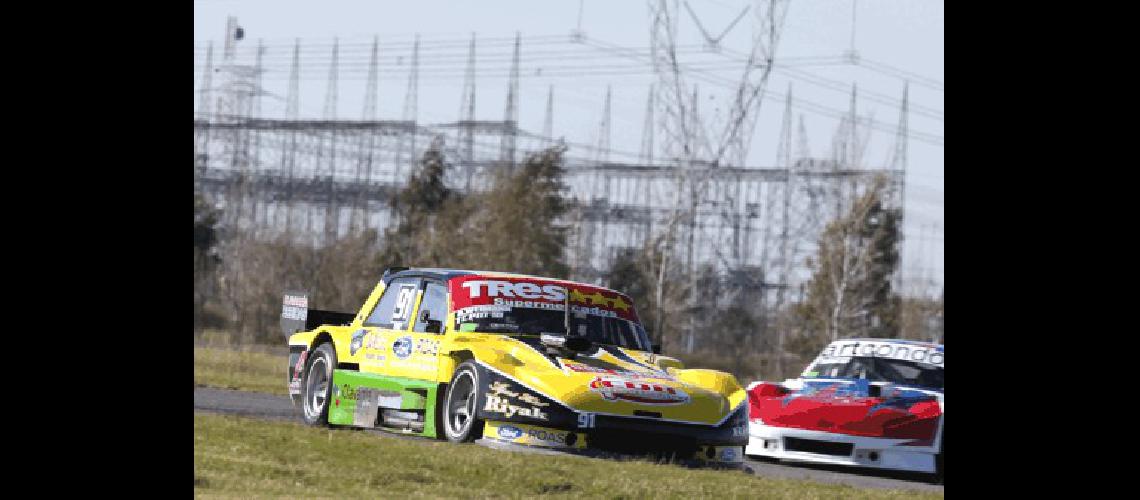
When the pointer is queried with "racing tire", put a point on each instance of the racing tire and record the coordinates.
(458, 413)
(316, 386)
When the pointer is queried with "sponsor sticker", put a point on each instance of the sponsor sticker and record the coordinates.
(294, 313)
(470, 295)
(510, 432)
(402, 347)
(730, 454)
(357, 341)
(427, 347)
(906, 351)
(635, 391)
(295, 300)
(584, 368)
(500, 399)
(532, 435)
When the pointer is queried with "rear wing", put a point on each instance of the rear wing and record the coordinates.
(297, 317)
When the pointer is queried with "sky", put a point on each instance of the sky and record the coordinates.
(893, 39)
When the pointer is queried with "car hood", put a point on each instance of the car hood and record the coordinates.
(847, 406)
(610, 380)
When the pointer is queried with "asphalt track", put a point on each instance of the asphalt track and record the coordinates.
(272, 407)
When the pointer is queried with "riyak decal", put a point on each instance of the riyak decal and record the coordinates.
(622, 389)
(500, 399)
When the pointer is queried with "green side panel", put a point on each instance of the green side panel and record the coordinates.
(358, 397)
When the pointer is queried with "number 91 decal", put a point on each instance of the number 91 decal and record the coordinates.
(404, 300)
(585, 420)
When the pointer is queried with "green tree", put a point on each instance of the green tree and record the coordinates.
(518, 225)
(420, 232)
(850, 291)
(205, 256)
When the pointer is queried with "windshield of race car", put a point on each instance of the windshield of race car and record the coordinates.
(532, 306)
(878, 370)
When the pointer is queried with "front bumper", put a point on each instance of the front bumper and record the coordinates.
(603, 444)
(839, 449)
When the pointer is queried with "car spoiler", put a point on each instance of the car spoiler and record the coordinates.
(297, 317)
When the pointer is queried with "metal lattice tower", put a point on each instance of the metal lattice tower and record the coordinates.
(202, 139)
(368, 142)
(511, 115)
(548, 119)
(784, 160)
(411, 99)
(289, 147)
(898, 164)
(256, 215)
(646, 155)
(603, 151)
(755, 221)
(466, 129)
(332, 207)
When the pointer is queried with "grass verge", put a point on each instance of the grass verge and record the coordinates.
(248, 369)
(241, 457)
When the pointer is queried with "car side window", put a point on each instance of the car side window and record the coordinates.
(433, 309)
(394, 308)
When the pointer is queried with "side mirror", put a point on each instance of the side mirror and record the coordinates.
(656, 348)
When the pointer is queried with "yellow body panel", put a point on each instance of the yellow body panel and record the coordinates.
(709, 396)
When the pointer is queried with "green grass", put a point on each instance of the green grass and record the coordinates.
(241, 457)
(249, 369)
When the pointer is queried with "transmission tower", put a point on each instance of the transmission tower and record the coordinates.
(411, 99)
(332, 208)
(466, 128)
(548, 120)
(289, 153)
(202, 142)
(511, 115)
(784, 160)
(602, 154)
(255, 112)
(898, 165)
(646, 155)
(368, 140)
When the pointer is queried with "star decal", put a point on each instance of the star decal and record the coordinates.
(598, 299)
(578, 296)
(618, 303)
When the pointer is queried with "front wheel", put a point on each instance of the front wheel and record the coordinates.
(317, 385)
(458, 413)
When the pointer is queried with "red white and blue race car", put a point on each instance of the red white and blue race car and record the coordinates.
(863, 402)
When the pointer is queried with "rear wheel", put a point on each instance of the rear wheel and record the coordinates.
(458, 412)
(316, 386)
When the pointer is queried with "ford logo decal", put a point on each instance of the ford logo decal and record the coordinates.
(510, 432)
(402, 347)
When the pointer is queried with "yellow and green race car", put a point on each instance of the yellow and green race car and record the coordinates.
(510, 360)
